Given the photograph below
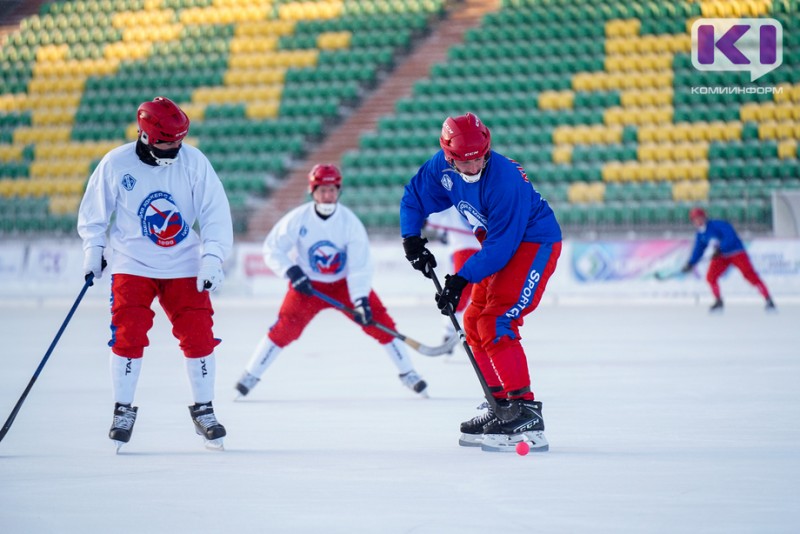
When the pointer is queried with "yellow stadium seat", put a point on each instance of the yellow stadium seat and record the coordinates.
(613, 116)
(646, 152)
(766, 112)
(646, 134)
(699, 170)
(607, 135)
(749, 112)
(692, 131)
(784, 130)
(577, 193)
(562, 135)
(612, 172)
(783, 113)
(562, 154)
(647, 171)
(629, 171)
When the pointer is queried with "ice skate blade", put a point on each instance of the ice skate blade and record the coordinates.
(504, 443)
(214, 444)
(470, 440)
(117, 445)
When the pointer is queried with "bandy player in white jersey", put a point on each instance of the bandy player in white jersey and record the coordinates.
(322, 245)
(157, 188)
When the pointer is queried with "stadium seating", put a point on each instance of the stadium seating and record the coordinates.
(261, 80)
(598, 99)
(600, 102)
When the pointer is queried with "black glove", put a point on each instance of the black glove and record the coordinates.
(686, 268)
(447, 300)
(363, 315)
(300, 281)
(420, 257)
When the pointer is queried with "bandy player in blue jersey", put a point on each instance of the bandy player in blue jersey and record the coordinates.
(520, 245)
(728, 250)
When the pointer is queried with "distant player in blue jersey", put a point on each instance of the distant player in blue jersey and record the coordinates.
(520, 245)
(728, 250)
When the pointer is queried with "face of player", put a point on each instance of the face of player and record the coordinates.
(470, 170)
(325, 197)
(165, 152)
(168, 145)
(326, 194)
(699, 222)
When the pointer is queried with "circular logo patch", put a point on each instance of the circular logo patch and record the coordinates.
(161, 220)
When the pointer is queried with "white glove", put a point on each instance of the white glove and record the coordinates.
(210, 276)
(93, 262)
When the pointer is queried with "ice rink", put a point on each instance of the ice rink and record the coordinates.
(660, 417)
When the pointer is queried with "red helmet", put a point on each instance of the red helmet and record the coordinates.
(695, 213)
(324, 174)
(162, 121)
(465, 138)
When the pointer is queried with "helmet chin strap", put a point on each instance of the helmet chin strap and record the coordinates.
(163, 158)
(469, 178)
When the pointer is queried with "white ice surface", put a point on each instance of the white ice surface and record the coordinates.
(660, 418)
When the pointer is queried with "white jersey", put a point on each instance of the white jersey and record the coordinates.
(156, 208)
(459, 231)
(326, 249)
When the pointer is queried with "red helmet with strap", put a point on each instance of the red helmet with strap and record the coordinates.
(465, 138)
(324, 174)
(161, 121)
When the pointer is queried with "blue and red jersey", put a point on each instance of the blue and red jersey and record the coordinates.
(503, 208)
(720, 232)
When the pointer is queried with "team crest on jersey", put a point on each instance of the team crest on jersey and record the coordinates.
(325, 258)
(475, 218)
(161, 220)
(128, 182)
(447, 182)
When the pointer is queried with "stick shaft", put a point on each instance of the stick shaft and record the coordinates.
(486, 391)
(413, 343)
(15, 411)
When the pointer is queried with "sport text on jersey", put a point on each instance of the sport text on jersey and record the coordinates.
(526, 295)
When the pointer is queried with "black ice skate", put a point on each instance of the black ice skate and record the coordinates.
(472, 431)
(526, 424)
(415, 383)
(246, 384)
(207, 426)
(122, 427)
(770, 306)
(717, 307)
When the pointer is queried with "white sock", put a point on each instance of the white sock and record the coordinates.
(202, 372)
(399, 356)
(124, 377)
(263, 356)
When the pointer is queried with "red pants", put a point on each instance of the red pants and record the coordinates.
(188, 311)
(741, 261)
(499, 303)
(460, 257)
(298, 309)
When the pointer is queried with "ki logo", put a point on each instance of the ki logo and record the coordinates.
(752, 45)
